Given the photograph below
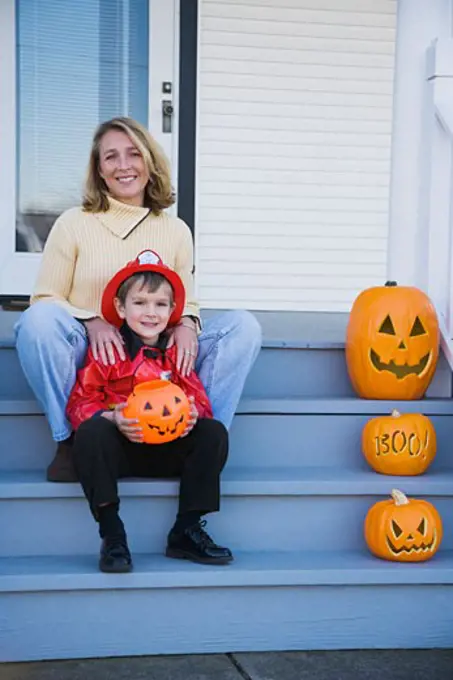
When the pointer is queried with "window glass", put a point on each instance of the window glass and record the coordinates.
(79, 62)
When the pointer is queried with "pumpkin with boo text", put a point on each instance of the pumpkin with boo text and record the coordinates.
(399, 444)
(161, 408)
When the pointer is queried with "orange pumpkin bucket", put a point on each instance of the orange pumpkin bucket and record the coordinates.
(161, 408)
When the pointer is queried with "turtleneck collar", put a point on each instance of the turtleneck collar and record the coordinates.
(122, 218)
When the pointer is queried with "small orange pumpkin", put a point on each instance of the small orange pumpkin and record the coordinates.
(399, 444)
(403, 530)
(392, 342)
(161, 408)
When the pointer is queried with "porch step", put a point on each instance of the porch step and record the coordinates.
(295, 492)
(278, 372)
(153, 570)
(262, 509)
(313, 432)
(290, 406)
(291, 369)
(284, 481)
(281, 369)
(63, 608)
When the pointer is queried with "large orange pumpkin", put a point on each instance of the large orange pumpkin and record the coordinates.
(403, 530)
(161, 408)
(392, 342)
(399, 444)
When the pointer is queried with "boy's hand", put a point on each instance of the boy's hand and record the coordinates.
(193, 417)
(129, 427)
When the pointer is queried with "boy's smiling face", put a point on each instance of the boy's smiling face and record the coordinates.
(146, 313)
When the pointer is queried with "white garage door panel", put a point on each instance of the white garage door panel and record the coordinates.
(365, 6)
(309, 112)
(308, 222)
(280, 123)
(294, 138)
(372, 180)
(304, 57)
(283, 256)
(284, 83)
(288, 268)
(306, 165)
(245, 150)
(325, 191)
(338, 29)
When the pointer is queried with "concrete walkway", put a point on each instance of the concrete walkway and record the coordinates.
(350, 665)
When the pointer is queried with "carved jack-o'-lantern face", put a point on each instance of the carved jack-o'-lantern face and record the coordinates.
(392, 343)
(399, 444)
(161, 408)
(403, 530)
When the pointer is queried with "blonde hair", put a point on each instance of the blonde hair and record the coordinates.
(158, 192)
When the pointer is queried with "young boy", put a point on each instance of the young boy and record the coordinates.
(143, 299)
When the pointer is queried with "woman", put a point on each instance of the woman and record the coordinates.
(127, 189)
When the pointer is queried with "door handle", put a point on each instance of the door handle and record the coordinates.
(167, 115)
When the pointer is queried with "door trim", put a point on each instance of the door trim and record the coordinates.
(188, 58)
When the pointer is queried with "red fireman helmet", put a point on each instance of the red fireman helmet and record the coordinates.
(146, 261)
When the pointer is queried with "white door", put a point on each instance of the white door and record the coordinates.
(65, 66)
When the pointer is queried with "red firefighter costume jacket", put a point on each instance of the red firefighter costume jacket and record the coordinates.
(98, 388)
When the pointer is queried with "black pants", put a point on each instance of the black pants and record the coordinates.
(102, 455)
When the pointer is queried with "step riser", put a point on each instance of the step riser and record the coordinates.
(25, 443)
(315, 441)
(143, 622)
(323, 523)
(283, 373)
(308, 440)
(13, 384)
(276, 373)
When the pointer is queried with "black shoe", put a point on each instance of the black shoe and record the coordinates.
(62, 469)
(196, 545)
(115, 557)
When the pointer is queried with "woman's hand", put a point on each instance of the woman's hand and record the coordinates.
(193, 417)
(184, 336)
(103, 338)
(129, 427)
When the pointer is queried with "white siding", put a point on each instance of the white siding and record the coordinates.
(295, 113)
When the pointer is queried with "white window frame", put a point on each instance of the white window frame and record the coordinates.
(18, 271)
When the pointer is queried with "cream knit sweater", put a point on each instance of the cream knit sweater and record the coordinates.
(84, 250)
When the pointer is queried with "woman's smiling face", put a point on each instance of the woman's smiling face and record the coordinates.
(122, 168)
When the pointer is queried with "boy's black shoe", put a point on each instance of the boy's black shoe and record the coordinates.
(115, 557)
(196, 545)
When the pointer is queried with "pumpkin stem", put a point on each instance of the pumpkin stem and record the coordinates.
(399, 497)
(390, 284)
(395, 413)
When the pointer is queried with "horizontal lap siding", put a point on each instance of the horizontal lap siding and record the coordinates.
(295, 113)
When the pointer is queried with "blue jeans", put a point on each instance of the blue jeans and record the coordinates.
(52, 345)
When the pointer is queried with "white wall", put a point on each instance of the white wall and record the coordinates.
(295, 119)
(419, 24)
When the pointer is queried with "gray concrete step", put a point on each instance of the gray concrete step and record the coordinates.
(268, 509)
